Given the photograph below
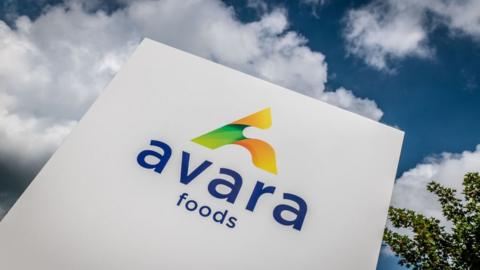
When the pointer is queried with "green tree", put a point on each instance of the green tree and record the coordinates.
(431, 246)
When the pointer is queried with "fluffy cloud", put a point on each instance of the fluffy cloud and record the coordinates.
(264, 48)
(51, 71)
(448, 169)
(463, 17)
(386, 30)
(54, 67)
(383, 31)
(344, 98)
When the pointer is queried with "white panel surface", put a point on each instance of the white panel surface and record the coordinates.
(94, 207)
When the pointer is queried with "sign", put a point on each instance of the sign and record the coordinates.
(186, 164)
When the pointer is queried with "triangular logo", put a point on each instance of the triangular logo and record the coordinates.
(262, 153)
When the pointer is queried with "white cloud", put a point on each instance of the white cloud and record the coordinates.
(50, 72)
(447, 169)
(384, 31)
(264, 48)
(52, 69)
(463, 17)
(344, 98)
(28, 142)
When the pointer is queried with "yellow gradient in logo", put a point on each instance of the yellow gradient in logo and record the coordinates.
(262, 153)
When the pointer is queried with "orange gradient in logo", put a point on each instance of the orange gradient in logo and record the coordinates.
(262, 153)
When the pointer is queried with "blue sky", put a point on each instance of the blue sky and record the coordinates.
(407, 64)
(420, 97)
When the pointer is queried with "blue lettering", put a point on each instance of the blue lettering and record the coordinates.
(234, 187)
(185, 177)
(222, 189)
(257, 192)
(162, 158)
(300, 213)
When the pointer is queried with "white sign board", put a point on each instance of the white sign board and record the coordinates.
(185, 164)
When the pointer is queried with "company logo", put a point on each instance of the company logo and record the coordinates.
(288, 209)
(262, 153)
